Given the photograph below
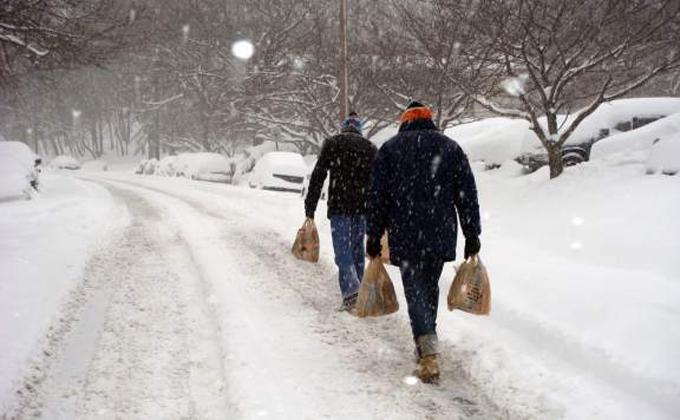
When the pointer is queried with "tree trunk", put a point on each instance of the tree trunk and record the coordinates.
(555, 161)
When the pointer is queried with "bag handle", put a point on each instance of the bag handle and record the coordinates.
(474, 259)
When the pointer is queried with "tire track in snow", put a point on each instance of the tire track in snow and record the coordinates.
(378, 349)
(140, 341)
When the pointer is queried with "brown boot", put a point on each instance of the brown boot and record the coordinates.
(428, 369)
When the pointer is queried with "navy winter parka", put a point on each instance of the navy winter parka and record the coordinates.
(420, 178)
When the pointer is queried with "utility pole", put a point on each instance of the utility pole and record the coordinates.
(344, 78)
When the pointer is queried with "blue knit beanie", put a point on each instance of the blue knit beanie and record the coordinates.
(352, 121)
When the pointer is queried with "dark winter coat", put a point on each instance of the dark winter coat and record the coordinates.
(420, 178)
(349, 158)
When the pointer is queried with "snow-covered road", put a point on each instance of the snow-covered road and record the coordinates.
(141, 341)
(193, 313)
(191, 306)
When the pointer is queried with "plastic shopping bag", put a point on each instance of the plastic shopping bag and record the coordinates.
(376, 293)
(306, 245)
(471, 290)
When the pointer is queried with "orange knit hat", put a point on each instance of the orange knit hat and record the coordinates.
(415, 111)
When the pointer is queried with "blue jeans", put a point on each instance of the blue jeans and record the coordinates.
(348, 234)
(421, 287)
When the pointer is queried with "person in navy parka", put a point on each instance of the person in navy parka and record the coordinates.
(421, 181)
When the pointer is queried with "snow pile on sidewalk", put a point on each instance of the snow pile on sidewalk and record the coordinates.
(585, 274)
(44, 245)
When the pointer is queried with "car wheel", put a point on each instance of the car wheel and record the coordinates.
(572, 158)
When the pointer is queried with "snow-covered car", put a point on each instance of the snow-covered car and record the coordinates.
(139, 170)
(498, 140)
(95, 166)
(167, 166)
(150, 166)
(65, 162)
(204, 166)
(492, 141)
(279, 171)
(609, 119)
(636, 142)
(664, 156)
(19, 171)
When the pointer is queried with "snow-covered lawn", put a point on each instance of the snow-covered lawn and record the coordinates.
(584, 324)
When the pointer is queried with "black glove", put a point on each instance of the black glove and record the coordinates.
(373, 247)
(472, 246)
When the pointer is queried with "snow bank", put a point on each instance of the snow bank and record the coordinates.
(665, 156)
(44, 245)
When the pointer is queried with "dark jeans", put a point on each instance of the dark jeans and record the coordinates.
(421, 287)
(348, 234)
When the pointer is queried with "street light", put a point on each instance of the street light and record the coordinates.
(344, 79)
(243, 49)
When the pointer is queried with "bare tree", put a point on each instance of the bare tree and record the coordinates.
(49, 34)
(568, 56)
(417, 45)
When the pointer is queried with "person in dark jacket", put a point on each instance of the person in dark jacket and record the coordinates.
(420, 179)
(349, 158)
